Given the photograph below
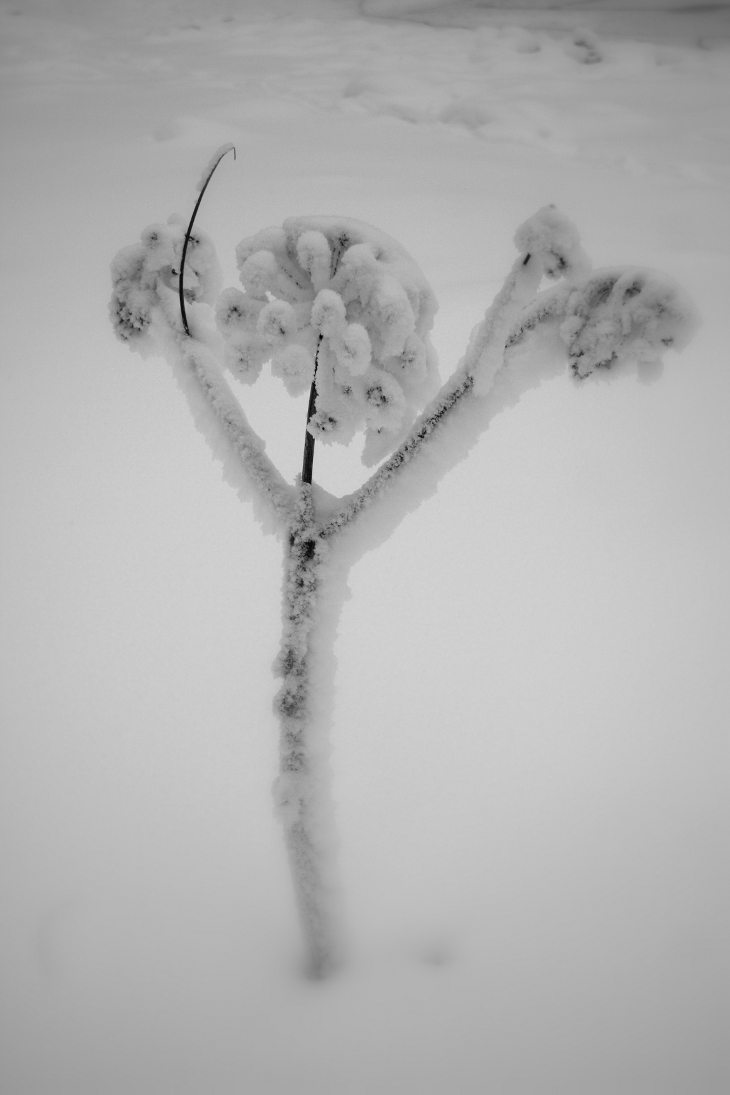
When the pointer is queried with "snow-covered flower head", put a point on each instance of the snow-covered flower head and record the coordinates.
(340, 294)
(626, 315)
(145, 280)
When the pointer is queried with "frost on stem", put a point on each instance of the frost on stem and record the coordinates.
(302, 792)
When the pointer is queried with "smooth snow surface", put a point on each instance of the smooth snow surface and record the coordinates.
(532, 691)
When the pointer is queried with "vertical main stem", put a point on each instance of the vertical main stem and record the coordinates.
(302, 791)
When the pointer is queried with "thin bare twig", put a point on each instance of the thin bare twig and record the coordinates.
(308, 461)
(187, 237)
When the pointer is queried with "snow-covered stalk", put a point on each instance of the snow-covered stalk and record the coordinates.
(302, 791)
(262, 474)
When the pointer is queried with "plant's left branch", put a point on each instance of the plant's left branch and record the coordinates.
(262, 473)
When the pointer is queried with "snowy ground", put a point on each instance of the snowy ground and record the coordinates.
(530, 759)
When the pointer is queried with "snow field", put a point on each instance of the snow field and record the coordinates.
(532, 696)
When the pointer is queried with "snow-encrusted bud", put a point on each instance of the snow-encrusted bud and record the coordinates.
(128, 264)
(385, 403)
(331, 424)
(131, 304)
(259, 274)
(237, 311)
(315, 257)
(624, 316)
(412, 361)
(203, 275)
(268, 239)
(276, 322)
(358, 274)
(353, 350)
(395, 319)
(159, 241)
(553, 241)
(328, 313)
(244, 355)
(131, 314)
(295, 366)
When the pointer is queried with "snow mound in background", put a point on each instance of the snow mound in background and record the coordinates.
(395, 8)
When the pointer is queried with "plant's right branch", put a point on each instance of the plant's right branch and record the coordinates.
(483, 356)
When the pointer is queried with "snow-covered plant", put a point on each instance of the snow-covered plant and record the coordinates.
(338, 307)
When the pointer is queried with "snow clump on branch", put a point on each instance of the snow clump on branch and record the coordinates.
(608, 318)
(625, 316)
(553, 242)
(340, 296)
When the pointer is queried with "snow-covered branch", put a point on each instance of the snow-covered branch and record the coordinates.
(146, 316)
(474, 373)
(605, 319)
(262, 474)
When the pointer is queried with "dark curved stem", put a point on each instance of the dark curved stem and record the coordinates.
(187, 237)
(308, 461)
